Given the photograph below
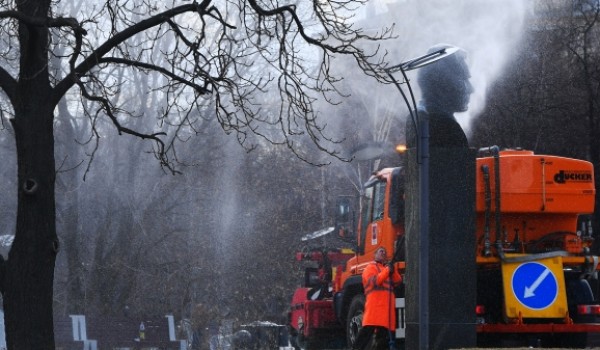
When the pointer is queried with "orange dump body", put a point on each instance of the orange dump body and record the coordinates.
(540, 199)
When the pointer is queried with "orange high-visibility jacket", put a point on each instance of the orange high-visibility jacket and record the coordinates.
(380, 307)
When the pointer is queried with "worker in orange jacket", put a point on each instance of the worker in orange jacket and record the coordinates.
(379, 319)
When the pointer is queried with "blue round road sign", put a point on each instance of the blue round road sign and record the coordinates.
(534, 285)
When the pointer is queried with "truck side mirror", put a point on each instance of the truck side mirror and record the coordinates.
(397, 197)
(343, 217)
(342, 210)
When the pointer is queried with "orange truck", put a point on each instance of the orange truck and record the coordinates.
(536, 272)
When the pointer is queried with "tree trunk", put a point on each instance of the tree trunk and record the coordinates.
(28, 283)
(30, 267)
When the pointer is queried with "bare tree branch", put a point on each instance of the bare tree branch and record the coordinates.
(199, 89)
(48, 22)
(94, 58)
(217, 61)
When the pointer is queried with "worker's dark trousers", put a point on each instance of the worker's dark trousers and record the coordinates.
(372, 338)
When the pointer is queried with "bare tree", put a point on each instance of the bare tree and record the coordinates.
(582, 41)
(555, 78)
(89, 46)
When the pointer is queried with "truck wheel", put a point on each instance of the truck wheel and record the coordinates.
(354, 319)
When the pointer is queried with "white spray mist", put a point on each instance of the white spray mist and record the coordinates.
(489, 30)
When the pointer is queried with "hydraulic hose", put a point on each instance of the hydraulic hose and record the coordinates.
(495, 152)
(488, 208)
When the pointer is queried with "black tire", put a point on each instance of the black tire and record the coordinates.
(354, 319)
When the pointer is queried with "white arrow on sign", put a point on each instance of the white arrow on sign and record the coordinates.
(530, 291)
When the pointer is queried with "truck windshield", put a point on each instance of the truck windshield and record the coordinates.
(366, 208)
(372, 206)
(378, 201)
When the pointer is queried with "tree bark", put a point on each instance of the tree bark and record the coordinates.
(29, 276)
(28, 289)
